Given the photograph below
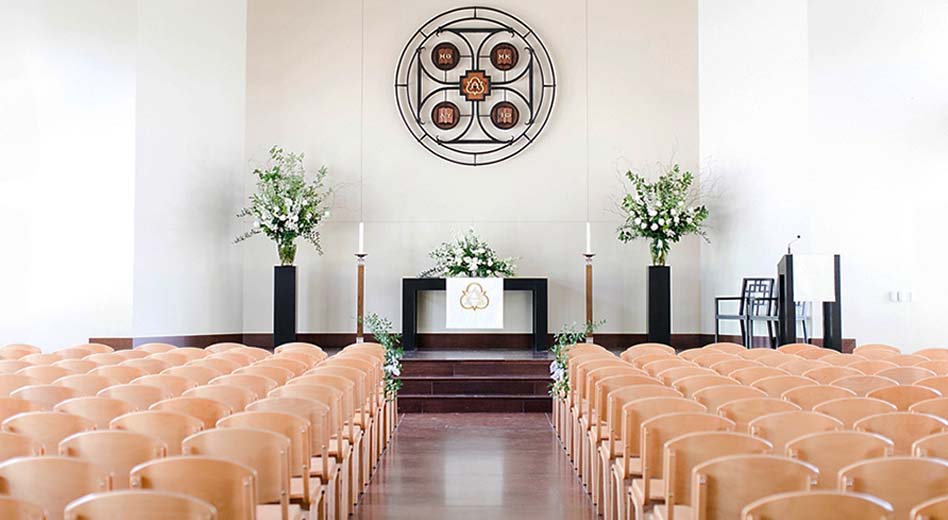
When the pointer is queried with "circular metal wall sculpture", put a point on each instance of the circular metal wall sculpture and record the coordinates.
(475, 86)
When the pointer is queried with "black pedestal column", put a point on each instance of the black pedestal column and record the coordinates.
(284, 304)
(659, 304)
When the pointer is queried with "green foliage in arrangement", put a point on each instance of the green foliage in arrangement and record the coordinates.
(287, 206)
(381, 330)
(662, 212)
(468, 256)
(563, 340)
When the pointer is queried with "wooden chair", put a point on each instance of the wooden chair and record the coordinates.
(646, 348)
(10, 382)
(18, 350)
(278, 374)
(876, 351)
(105, 358)
(660, 365)
(222, 366)
(147, 505)
(710, 358)
(833, 450)
(818, 353)
(12, 366)
(96, 348)
(650, 488)
(132, 354)
(301, 345)
(42, 358)
(903, 482)
(198, 374)
(306, 358)
(13, 509)
(683, 453)
(73, 352)
(796, 348)
(47, 428)
(10, 406)
(906, 375)
(317, 414)
(217, 348)
(149, 366)
(743, 411)
(51, 481)
(259, 354)
(902, 428)
(691, 353)
(45, 396)
(798, 367)
(826, 375)
(818, 505)
(748, 376)
(235, 355)
(259, 385)
(782, 427)
(155, 348)
(862, 385)
(775, 359)
(933, 353)
(938, 366)
(807, 397)
(115, 451)
(172, 359)
(934, 509)
(169, 427)
(85, 385)
(235, 397)
(45, 374)
(714, 396)
(907, 360)
(640, 361)
(775, 386)
(77, 366)
(98, 410)
(689, 385)
(935, 445)
(937, 407)
(871, 366)
(756, 353)
(905, 396)
(208, 411)
(139, 397)
(724, 486)
(119, 373)
(670, 375)
(848, 410)
(726, 347)
(174, 385)
(292, 365)
(17, 445)
(842, 360)
(730, 365)
(227, 485)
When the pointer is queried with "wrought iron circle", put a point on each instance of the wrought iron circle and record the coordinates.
(475, 86)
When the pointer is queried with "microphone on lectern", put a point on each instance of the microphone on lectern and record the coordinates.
(791, 243)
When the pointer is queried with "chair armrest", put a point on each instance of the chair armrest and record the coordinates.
(719, 299)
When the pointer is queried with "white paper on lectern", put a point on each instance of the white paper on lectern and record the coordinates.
(814, 278)
(474, 303)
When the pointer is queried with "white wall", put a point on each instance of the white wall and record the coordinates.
(67, 138)
(303, 92)
(832, 125)
(190, 168)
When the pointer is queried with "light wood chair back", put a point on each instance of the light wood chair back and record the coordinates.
(826, 375)
(689, 385)
(876, 351)
(51, 481)
(294, 366)
(907, 360)
(217, 348)
(227, 485)
(818, 505)
(357, 378)
(724, 486)
(937, 406)
(842, 360)
(645, 348)
(743, 411)
(328, 395)
(782, 427)
(578, 389)
(640, 361)
(208, 411)
(933, 353)
(171, 359)
(862, 385)
(13, 509)
(660, 365)
(345, 387)
(315, 412)
(935, 445)
(670, 375)
(10, 406)
(934, 509)
(818, 353)
(902, 428)
(148, 505)
(775, 386)
(302, 345)
(748, 376)
(171, 384)
(938, 366)
(796, 348)
(77, 366)
(710, 358)
(118, 373)
(714, 396)
(98, 410)
(240, 358)
(149, 366)
(848, 410)
(939, 383)
(10, 382)
(726, 347)
(259, 385)
(73, 352)
(235, 397)
(618, 379)
(85, 385)
(96, 348)
(105, 358)
(45, 374)
(757, 353)
(42, 358)
(871, 366)
(169, 427)
(198, 374)
(308, 359)
(807, 397)
(278, 374)
(637, 412)
(222, 366)
(47, 428)
(832, 451)
(683, 453)
(798, 367)
(46, 396)
(775, 359)
(115, 451)
(692, 353)
(156, 348)
(139, 397)
(12, 366)
(906, 375)
(18, 445)
(903, 482)
(18, 350)
(618, 398)
(904, 396)
(258, 353)
(192, 353)
(730, 365)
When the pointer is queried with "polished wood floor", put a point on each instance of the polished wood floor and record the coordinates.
(475, 466)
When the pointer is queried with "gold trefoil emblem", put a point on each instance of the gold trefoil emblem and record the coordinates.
(474, 298)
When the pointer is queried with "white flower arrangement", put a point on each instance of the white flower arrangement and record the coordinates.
(286, 206)
(563, 340)
(381, 330)
(662, 212)
(468, 256)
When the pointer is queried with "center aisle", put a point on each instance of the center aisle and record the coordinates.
(474, 466)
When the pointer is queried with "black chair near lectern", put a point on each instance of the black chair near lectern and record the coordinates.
(757, 303)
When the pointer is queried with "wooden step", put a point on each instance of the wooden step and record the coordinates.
(478, 385)
(474, 403)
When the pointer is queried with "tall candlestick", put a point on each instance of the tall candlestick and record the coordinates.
(361, 237)
(588, 238)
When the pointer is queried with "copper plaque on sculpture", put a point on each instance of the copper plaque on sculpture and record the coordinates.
(475, 86)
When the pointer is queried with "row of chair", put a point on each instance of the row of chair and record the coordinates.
(230, 427)
(708, 432)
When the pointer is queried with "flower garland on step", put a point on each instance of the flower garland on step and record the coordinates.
(381, 330)
(563, 340)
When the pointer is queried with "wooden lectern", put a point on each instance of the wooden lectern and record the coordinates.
(813, 278)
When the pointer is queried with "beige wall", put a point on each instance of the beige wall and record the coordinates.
(303, 92)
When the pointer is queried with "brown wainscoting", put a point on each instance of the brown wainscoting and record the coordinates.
(116, 343)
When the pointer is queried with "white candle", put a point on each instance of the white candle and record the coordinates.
(588, 239)
(361, 237)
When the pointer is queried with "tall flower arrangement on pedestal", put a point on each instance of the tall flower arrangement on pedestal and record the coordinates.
(287, 206)
(468, 256)
(662, 212)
